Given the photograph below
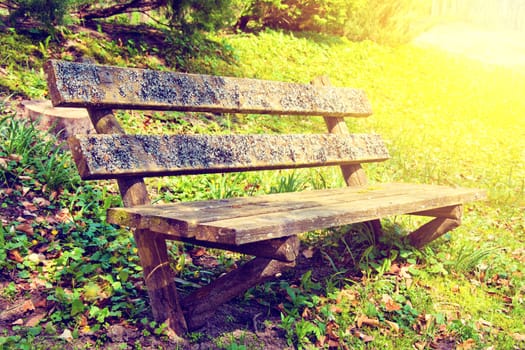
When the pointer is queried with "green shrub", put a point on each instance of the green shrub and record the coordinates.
(30, 157)
(380, 21)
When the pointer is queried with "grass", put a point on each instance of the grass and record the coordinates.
(447, 120)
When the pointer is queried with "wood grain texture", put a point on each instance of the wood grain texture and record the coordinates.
(432, 230)
(353, 174)
(200, 305)
(252, 219)
(114, 156)
(88, 85)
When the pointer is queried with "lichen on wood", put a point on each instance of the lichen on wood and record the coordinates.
(89, 85)
(113, 156)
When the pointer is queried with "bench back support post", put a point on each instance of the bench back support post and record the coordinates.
(354, 175)
(152, 250)
(132, 190)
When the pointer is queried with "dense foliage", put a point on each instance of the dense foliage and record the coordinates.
(382, 21)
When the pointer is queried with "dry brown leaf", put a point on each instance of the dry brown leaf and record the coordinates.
(518, 336)
(467, 345)
(357, 333)
(199, 252)
(331, 331)
(336, 309)
(306, 314)
(364, 320)
(35, 319)
(390, 304)
(395, 269)
(15, 256)
(26, 228)
(64, 216)
(28, 306)
(29, 206)
(18, 322)
(308, 253)
(394, 326)
(15, 157)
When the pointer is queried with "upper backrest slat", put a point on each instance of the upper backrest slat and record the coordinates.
(116, 156)
(94, 86)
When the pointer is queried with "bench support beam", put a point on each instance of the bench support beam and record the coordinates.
(436, 227)
(283, 249)
(201, 304)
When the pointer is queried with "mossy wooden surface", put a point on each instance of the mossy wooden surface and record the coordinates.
(252, 219)
(113, 156)
(80, 85)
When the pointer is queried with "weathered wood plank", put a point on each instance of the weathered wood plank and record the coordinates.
(199, 306)
(432, 230)
(453, 212)
(114, 156)
(353, 174)
(283, 249)
(83, 85)
(245, 220)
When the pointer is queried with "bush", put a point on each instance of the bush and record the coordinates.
(29, 157)
(380, 21)
(48, 12)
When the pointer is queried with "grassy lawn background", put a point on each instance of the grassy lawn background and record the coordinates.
(447, 120)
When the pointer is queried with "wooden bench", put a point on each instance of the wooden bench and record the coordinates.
(264, 226)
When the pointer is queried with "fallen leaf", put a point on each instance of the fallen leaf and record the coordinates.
(15, 256)
(15, 157)
(308, 253)
(35, 319)
(64, 216)
(518, 336)
(28, 306)
(336, 309)
(30, 206)
(332, 330)
(25, 228)
(364, 320)
(390, 304)
(467, 345)
(199, 252)
(394, 269)
(357, 333)
(394, 326)
(40, 302)
(18, 322)
(41, 202)
(66, 335)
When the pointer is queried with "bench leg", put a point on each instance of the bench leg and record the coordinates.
(201, 304)
(160, 280)
(436, 227)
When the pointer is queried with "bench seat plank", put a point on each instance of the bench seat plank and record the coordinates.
(114, 156)
(89, 85)
(251, 219)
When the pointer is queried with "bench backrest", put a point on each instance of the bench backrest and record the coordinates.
(131, 157)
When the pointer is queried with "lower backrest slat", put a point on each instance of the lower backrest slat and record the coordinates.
(115, 156)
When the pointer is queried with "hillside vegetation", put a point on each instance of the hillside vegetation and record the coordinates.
(73, 280)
